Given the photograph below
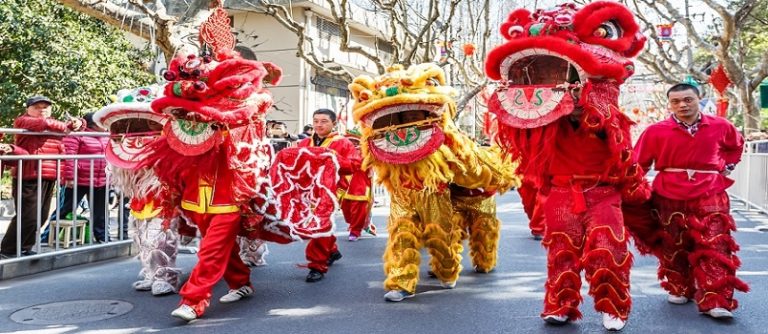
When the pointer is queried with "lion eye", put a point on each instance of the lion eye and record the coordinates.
(433, 82)
(608, 30)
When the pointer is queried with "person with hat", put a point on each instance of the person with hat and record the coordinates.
(37, 118)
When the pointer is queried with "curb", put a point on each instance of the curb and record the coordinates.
(31, 265)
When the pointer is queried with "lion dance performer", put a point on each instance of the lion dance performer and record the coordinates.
(557, 106)
(208, 154)
(410, 140)
(322, 252)
(357, 199)
(213, 154)
(694, 153)
(133, 125)
(529, 195)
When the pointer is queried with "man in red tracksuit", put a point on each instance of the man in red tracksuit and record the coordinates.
(323, 252)
(693, 153)
(210, 205)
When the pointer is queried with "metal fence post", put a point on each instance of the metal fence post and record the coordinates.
(747, 200)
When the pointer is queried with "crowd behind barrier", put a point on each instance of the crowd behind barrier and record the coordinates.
(751, 176)
(57, 232)
(81, 175)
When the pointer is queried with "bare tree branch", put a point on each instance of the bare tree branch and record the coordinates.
(729, 48)
(341, 17)
(281, 14)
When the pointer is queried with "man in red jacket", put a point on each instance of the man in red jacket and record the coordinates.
(38, 119)
(323, 252)
(693, 153)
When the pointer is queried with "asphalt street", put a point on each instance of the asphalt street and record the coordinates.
(350, 298)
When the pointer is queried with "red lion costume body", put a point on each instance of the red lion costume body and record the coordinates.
(557, 108)
(213, 152)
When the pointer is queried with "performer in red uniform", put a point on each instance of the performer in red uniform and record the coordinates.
(323, 252)
(693, 153)
(356, 201)
(557, 108)
(529, 195)
(210, 205)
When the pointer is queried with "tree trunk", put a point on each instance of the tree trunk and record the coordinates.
(750, 112)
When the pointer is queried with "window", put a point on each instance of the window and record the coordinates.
(330, 86)
(327, 29)
(384, 46)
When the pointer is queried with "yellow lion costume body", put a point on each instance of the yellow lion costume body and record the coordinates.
(440, 181)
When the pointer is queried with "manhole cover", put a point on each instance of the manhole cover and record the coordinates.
(71, 312)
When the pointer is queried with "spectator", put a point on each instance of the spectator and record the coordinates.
(279, 131)
(82, 145)
(307, 132)
(37, 118)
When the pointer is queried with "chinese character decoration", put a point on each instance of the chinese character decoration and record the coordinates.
(216, 31)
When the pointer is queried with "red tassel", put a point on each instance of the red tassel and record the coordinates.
(722, 107)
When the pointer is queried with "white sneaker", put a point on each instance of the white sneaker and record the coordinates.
(185, 312)
(160, 288)
(397, 295)
(142, 285)
(236, 294)
(612, 323)
(719, 313)
(555, 319)
(677, 300)
(448, 285)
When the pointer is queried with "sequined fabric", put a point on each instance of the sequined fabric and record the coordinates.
(412, 227)
(697, 258)
(594, 241)
(158, 242)
(476, 215)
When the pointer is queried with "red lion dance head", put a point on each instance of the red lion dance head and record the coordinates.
(557, 61)
(204, 96)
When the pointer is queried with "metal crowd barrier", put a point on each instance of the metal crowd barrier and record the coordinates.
(751, 176)
(74, 227)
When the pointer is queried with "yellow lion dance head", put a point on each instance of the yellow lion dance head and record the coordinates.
(408, 133)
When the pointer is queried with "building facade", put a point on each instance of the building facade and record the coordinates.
(304, 89)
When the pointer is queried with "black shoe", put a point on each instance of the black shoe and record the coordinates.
(314, 276)
(431, 274)
(28, 253)
(335, 256)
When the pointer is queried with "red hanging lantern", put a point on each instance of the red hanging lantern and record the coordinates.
(469, 49)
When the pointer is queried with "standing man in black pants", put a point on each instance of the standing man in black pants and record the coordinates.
(37, 118)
